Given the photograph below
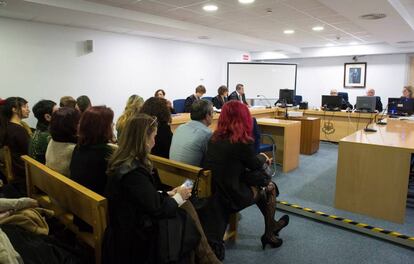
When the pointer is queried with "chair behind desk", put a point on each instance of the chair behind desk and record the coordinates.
(174, 173)
(67, 198)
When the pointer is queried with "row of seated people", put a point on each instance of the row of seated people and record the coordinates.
(81, 148)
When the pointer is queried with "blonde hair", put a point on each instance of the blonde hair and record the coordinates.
(133, 145)
(133, 106)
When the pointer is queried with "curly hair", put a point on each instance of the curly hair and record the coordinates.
(156, 106)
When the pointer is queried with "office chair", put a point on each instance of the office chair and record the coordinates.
(264, 147)
(297, 100)
(344, 96)
(179, 105)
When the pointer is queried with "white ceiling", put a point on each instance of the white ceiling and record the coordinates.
(255, 27)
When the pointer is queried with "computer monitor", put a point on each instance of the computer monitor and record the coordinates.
(331, 102)
(405, 107)
(366, 103)
(286, 96)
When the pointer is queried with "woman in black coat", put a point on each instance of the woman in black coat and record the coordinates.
(147, 225)
(238, 177)
(221, 98)
(157, 106)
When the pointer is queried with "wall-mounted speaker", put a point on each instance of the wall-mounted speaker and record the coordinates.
(89, 46)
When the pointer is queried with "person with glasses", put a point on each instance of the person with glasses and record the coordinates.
(189, 142)
(156, 106)
(146, 223)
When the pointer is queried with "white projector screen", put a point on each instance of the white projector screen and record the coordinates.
(261, 78)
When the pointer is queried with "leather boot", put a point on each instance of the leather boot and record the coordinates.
(203, 252)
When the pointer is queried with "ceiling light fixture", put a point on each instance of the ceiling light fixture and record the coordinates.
(210, 8)
(245, 2)
(289, 31)
(373, 16)
(353, 43)
(318, 28)
(329, 45)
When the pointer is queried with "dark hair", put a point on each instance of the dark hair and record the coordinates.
(235, 123)
(157, 91)
(156, 106)
(200, 109)
(200, 89)
(83, 102)
(64, 124)
(222, 89)
(41, 108)
(67, 101)
(6, 113)
(95, 126)
(239, 86)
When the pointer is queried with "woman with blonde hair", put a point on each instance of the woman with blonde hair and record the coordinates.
(133, 106)
(147, 225)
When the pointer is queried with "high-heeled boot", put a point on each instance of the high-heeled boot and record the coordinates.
(203, 252)
(267, 205)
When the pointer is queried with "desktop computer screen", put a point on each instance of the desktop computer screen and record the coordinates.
(400, 106)
(286, 96)
(331, 102)
(366, 104)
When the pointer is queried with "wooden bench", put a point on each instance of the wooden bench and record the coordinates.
(68, 198)
(6, 163)
(174, 173)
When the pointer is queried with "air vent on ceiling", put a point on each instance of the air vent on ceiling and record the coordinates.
(3, 3)
(373, 16)
(203, 37)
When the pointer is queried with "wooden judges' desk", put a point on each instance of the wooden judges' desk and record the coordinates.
(373, 171)
(285, 132)
(335, 125)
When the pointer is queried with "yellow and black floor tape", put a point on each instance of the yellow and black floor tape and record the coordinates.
(349, 224)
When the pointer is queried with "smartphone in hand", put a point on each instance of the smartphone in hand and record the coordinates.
(188, 184)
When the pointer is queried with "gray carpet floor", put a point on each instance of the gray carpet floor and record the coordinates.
(307, 241)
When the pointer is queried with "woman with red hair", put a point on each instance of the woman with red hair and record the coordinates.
(238, 177)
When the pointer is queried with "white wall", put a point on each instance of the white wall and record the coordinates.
(387, 74)
(47, 61)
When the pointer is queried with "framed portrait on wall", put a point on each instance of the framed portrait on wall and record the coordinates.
(355, 74)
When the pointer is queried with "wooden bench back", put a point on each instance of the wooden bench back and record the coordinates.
(68, 198)
(174, 173)
(6, 163)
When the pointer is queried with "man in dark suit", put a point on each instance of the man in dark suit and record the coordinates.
(199, 91)
(239, 94)
(378, 105)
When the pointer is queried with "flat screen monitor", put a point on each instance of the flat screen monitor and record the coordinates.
(392, 105)
(286, 96)
(405, 107)
(331, 102)
(366, 103)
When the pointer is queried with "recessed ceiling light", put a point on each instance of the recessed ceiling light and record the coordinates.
(289, 31)
(210, 8)
(353, 43)
(318, 28)
(246, 1)
(373, 16)
(329, 45)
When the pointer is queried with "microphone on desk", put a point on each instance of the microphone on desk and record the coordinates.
(367, 129)
(264, 97)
